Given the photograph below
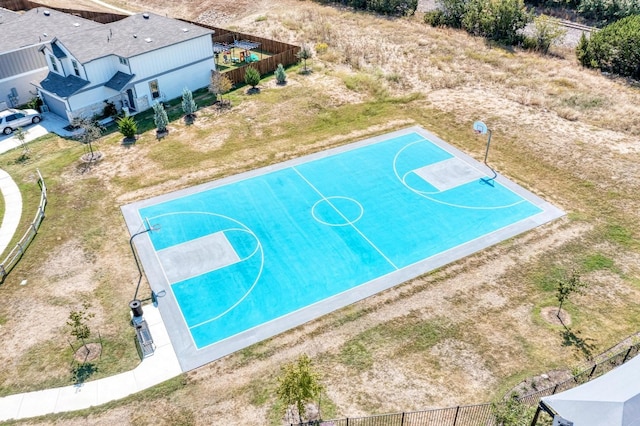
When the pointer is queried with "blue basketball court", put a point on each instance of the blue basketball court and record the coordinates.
(241, 259)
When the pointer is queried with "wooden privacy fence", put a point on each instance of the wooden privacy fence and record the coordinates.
(282, 53)
(16, 253)
(101, 17)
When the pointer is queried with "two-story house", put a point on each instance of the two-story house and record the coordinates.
(20, 59)
(132, 62)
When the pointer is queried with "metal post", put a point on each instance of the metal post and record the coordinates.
(135, 257)
(627, 355)
(455, 419)
(486, 153)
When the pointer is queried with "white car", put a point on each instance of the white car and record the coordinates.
(11, 119)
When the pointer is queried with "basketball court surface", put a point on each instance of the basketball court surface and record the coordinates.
(238, 260)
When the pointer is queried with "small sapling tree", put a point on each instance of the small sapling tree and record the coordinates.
(78, 323)
(88, 132)
(252, 77)
(21, 135)
(304, 54)
(220, 84)
(566, 285)
(298, 384)
(281, 75)
(189, 106)
(160, 118)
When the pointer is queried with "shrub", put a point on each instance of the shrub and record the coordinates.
(109, 109)
(608, 11)
(128, 127)
(582, 51)
(435, 18)
(386, 7)
(452, 12)
(188, 104)
(615, 48)
(160, 117)
(321, 48)
(547, 32)
(252, 77)
(281, 75)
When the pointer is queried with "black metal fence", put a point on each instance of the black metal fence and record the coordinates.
(481, 414)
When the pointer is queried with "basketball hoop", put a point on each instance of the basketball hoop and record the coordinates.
(480, 128)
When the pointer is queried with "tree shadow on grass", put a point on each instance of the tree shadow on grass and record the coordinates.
(584, 345)
(82, 372)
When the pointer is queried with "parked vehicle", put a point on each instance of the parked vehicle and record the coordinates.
(11, 119)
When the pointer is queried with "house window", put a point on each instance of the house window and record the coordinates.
(123, 61)
(53, 63)
(155, 91)
(75, 68)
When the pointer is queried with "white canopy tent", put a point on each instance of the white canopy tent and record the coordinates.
(610, 400)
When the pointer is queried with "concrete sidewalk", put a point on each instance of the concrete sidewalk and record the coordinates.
(157, 368)
(12, 209)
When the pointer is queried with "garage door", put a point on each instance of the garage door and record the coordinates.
(56, 106)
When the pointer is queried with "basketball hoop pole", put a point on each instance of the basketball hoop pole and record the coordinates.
(486, 153)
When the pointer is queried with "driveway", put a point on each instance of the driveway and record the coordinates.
(50, 123)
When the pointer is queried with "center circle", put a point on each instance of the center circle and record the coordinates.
(337, 211)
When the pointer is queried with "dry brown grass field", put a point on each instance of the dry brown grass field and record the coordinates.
(464, 334)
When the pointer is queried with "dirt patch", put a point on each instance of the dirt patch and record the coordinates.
(550, 314)
(88, 353)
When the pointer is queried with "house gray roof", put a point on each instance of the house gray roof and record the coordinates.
(119, 80)
(21, 61)
(7, 15)
(131, 36)
(62, 86)
(40, 25)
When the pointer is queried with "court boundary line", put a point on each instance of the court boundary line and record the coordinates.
(190, 357)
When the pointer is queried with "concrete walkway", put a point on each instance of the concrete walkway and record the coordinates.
(12, 209)
(157, 368)
(50, 123)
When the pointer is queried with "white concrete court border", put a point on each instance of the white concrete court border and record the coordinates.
(191, 357)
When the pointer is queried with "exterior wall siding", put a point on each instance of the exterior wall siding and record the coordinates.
(22, 84)
(158, 61)
(171, 84)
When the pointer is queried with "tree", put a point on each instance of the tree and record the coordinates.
(78, 323)
(220, 84)
(128, 127)
(160, 117)
(188, 104)
(252, 77)
(21, 135)
(452, 12)
(566, 285)
(582, 51)
(281, 75)
(499, 20)
(615, 48)
(304, 54)
(547, 32)
(89, 131)
(298, 384)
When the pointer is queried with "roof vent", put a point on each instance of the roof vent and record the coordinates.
(135, 36)
(45, 34)
(75, 24)
(145, 15)
(46, 13)
(148, 40)
(185, 30)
